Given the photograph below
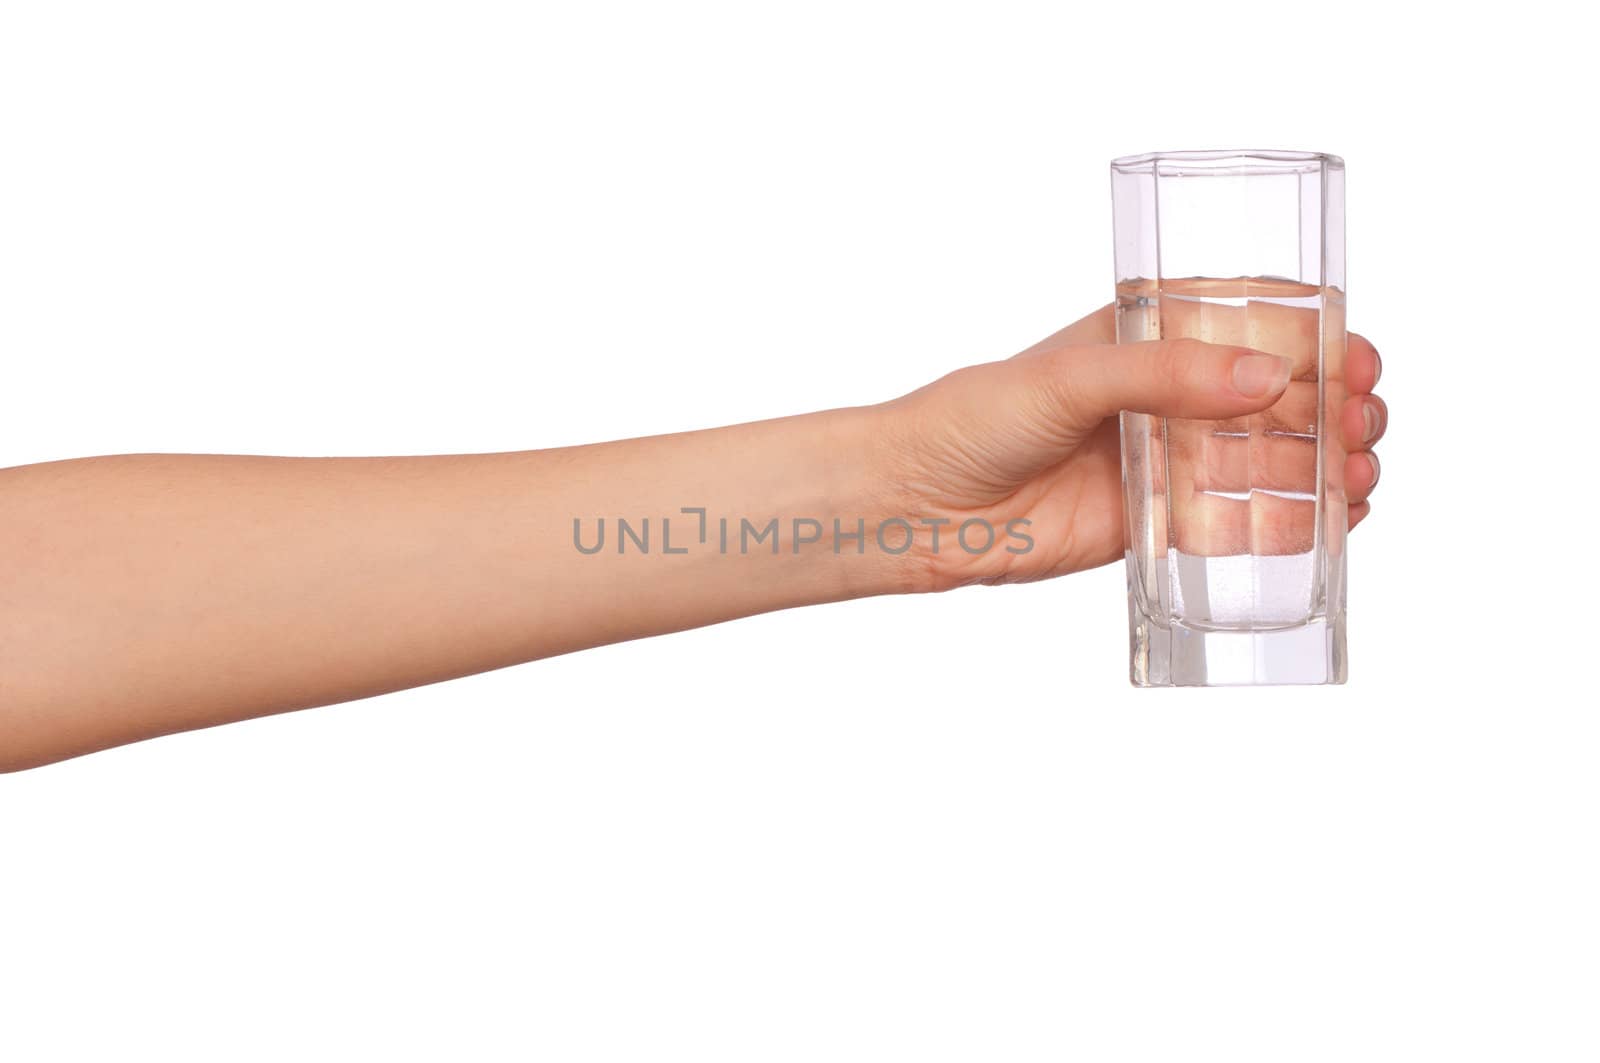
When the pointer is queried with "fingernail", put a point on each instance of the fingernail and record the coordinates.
(1378, 373)
(1258, 375)
(1369, 419)
(1377, 470)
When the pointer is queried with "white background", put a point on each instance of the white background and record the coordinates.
(896, 829)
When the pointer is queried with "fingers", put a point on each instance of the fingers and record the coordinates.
(1167, 378)
(1239, 403)
(1242, 455)
(1362, 421)
(1292, 331)
(1362, 366)
(1215, 525)
(1361, 472)
(1285, 330)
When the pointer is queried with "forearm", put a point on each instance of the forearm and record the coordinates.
(145, 594)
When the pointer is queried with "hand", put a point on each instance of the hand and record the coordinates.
(1035, 437)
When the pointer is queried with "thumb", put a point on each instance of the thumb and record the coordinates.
(1167, 378)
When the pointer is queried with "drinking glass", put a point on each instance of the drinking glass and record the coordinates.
(1235, 529)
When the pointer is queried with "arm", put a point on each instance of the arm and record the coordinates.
(146, 594)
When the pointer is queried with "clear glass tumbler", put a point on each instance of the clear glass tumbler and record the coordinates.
(1236, 528)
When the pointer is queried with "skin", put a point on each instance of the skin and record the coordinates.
(146, 594)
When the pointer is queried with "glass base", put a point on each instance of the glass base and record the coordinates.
(1180, 656)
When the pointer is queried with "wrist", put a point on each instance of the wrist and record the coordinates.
(883, 537)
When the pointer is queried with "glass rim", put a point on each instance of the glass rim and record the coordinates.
(1229, 162)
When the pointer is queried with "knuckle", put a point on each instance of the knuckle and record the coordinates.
(1061, 382)
(1178, 358)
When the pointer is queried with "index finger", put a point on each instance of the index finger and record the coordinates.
(1362, 366)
